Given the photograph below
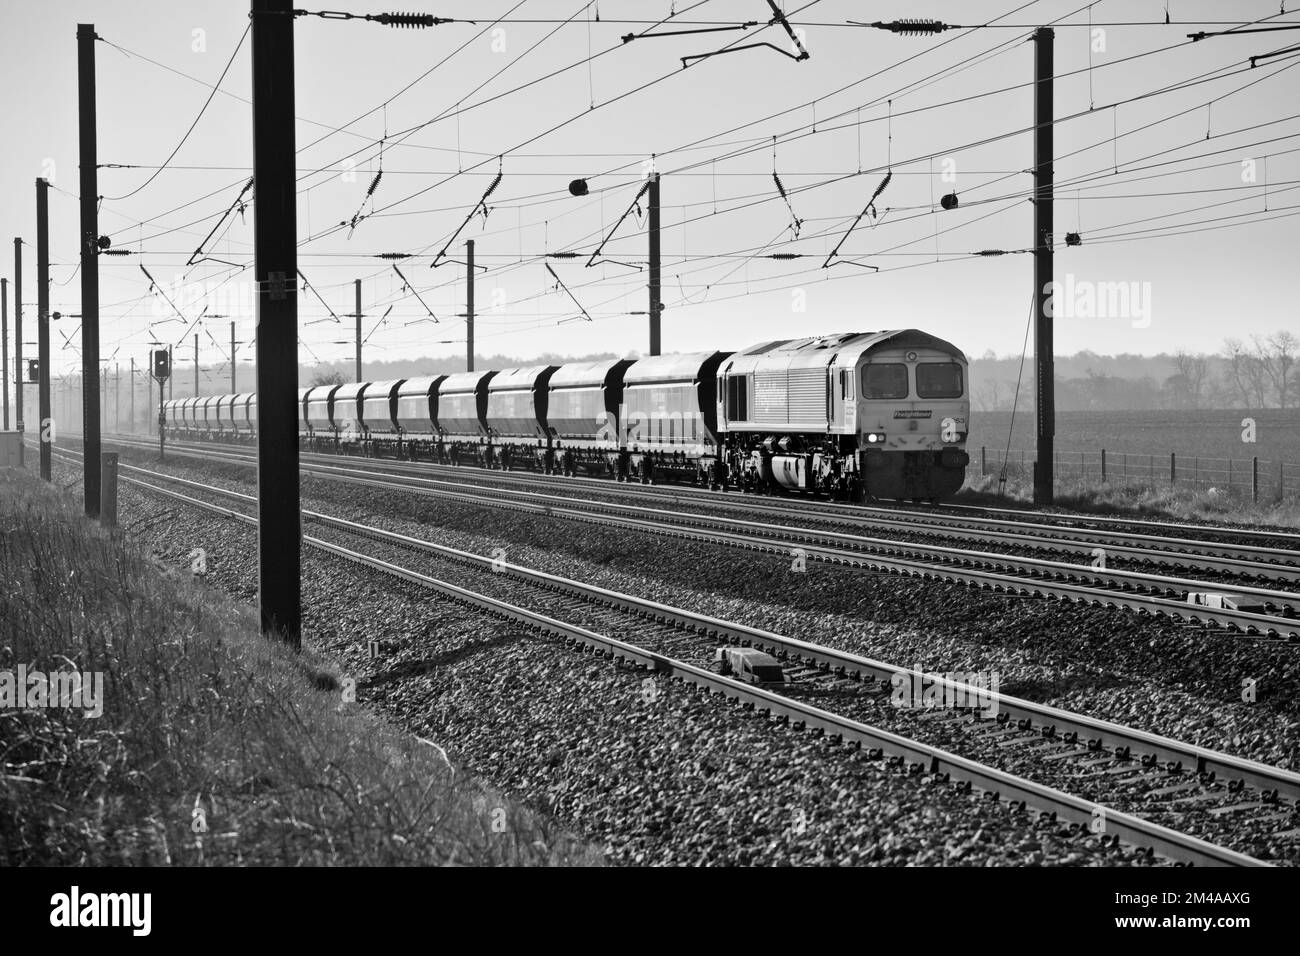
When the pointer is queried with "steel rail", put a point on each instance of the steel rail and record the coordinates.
(1036, 567)
(939, 764)
(952, 525)
(947, 518)
(1178, 757)
(690, 525)
(694, 527)
(1115, 576)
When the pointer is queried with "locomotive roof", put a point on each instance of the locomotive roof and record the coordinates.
(846, 348)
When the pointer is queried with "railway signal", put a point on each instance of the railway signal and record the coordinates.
(161, 366)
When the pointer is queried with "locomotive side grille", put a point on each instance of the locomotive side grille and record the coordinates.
(807, 391)
(769, 397)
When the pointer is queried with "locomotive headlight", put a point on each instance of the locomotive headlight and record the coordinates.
(876, 438)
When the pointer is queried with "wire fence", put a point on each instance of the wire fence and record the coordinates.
(1261, 479)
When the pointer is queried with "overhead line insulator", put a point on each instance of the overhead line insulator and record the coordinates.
(913, 27)
(414, 20)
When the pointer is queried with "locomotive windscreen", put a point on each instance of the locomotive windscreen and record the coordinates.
(938, 380)
(886, 380)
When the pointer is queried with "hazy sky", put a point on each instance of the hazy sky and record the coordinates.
(1203, 241)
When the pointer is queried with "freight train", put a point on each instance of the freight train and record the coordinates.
(852, 416)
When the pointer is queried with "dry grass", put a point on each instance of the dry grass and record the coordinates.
(1139, 500)
(200, 712)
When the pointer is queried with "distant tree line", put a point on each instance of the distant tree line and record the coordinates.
(1255, 374)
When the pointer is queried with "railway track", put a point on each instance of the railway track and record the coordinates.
(1141, 592)
(661, 632)
(1274, 557)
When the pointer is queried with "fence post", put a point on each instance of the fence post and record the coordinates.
(1254, 478)
(1196, 471)
(1281, 480)
(1172, 468)
(1103, 466)
(984, 460)
(1230, 474)
(108, 490)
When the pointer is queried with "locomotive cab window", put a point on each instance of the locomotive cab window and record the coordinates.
(938, 380)
(884, 380)
(737, 404)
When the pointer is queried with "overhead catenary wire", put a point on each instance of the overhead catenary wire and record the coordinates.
(202, 110)
(824, 121)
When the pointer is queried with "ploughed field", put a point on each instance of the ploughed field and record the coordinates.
(1190, 433)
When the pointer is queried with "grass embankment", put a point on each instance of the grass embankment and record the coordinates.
(214, 746)
(1151, 501)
